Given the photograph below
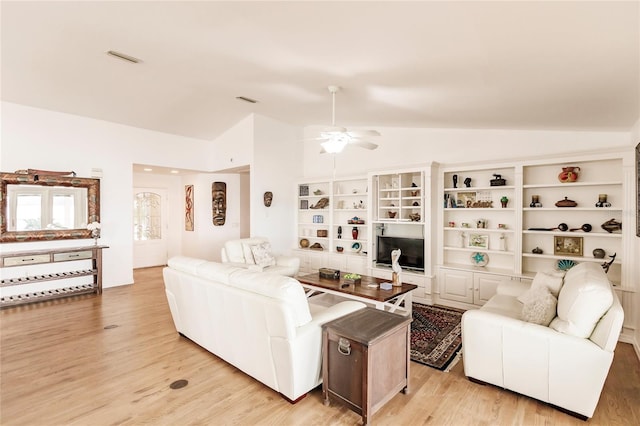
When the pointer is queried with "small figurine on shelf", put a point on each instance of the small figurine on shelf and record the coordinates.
(339, 232)
(602, 201)
(467, 182)
(396, 278)
(535, 201)
(455, 181)
(504, 201)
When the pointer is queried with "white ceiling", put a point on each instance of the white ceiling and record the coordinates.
(570, 65)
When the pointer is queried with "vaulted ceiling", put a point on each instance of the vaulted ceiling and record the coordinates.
(514, 65)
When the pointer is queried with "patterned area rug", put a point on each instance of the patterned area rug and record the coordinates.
(436, 336)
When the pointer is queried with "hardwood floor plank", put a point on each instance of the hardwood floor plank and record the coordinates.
(110, 360)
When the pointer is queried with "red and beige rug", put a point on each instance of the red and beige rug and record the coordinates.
(436, 338)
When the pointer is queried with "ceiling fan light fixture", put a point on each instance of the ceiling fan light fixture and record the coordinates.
(335, 144)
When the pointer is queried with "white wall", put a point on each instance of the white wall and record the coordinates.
(42, 139)
(206, 240)
(276, 167)
(635, 140)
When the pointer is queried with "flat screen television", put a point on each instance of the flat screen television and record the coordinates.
(412, 256)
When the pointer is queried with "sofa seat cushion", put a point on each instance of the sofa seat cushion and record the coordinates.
(275, 286)
(584, 298)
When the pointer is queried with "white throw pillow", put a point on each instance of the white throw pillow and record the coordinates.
(540, 307)
(549, 280)
(262, 254)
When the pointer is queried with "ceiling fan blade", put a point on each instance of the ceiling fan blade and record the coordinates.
(333, 129)
(364, 144)
(363, 133)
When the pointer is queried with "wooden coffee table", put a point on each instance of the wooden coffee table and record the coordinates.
(368, 291)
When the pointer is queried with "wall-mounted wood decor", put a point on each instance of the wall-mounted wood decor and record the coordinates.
(188, 207)
(219, 200)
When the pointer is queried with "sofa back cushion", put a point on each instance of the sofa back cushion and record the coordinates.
(584, 298)
(186, 264)
(275, 286)
(214, 271)
(239, 251)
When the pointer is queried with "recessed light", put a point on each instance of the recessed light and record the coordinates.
(123, 56)
(244, 98)
(175, 172)
(147, 169)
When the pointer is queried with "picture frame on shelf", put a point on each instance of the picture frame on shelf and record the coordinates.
(571, 246)
(304, 204)
(478, 241)
(304, 190)
(466, 199)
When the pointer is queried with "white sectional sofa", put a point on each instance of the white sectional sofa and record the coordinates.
(259, 322)
(565, 363)
(255, 254)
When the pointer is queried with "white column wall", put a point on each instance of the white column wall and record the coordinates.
(276, 166)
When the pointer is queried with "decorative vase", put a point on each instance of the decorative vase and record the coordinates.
(95, 234)
(598, 253)
(503, 201)
(535, 201)
(569, 174)
(354, 233)
(602, 201)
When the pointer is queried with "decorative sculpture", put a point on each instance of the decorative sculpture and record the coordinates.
(606, 265)
(268, 198)
(219, 200)
(321, 204)
(395, 266)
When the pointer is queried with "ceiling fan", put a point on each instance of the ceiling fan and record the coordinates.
(335, 138)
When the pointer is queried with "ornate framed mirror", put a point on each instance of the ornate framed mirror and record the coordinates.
(39, 207)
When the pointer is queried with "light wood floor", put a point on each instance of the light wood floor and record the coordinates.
(109, 360)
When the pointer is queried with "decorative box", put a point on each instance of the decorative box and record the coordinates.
(321, 232)
(354, 281)
(498, 181)
(331, 274)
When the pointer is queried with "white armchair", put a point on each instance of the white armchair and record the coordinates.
(255, 254)
(565, 363)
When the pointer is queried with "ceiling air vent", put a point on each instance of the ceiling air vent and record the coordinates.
(123, 56)
(244, 98)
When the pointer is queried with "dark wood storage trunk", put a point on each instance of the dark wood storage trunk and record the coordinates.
(366, 359)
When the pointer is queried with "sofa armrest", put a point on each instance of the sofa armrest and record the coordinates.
(288, 261)
(333, 312)
(512, 288)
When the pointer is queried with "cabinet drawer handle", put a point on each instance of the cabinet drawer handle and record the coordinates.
(74, 255)
(28, 260)
(344, 346)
